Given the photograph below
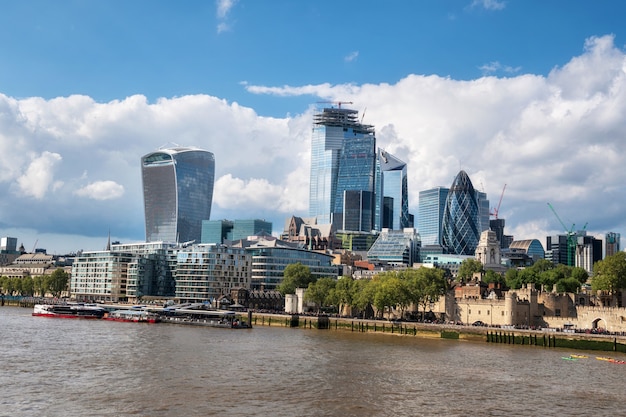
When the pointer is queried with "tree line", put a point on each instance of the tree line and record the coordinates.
(422, 286)
(54, 284)
(386, 291)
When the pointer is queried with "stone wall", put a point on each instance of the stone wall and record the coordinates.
(589, 318)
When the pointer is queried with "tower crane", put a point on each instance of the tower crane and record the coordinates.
(571, 237)
(338, 103)
(494, 212)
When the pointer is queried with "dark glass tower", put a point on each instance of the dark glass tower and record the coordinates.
(177, 193)
(461, 217)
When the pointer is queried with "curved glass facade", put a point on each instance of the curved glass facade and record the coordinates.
(395, 189)
(461, 221)
(532, 247)
(178, 193)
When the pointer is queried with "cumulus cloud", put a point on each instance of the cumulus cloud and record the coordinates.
(39, 175)
(557, 138)
(101, 190)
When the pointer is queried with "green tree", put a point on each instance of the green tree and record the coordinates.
(513, 279)
(425, 285)
(468, 268)
(295, 276)
(492, 276)
(390, 292)
(570, 285)
(4, 284)
(542, 265)
(39, 286)
(344, 292)
(15, 285)
(320, 292)
(57, 282)
(27, 286)
(580, 274)
(609, 274)
(363, 297)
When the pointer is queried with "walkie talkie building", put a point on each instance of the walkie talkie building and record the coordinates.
(177, 193)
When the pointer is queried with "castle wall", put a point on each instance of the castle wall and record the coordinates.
(589, 318)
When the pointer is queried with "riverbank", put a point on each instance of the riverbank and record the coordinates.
(547, 338)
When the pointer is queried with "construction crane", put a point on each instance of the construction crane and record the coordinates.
(338, 103)
(494, 212)
(571, 237)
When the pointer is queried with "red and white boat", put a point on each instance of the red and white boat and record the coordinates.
(69, 311)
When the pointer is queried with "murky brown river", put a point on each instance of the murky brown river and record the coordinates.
(57, 367)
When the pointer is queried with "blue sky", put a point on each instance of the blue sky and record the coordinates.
(527, 93)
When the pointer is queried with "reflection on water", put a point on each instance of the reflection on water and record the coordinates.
(55, 367)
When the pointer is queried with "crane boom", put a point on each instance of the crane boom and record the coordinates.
(338, 103)
(497, 209)
(571, 243)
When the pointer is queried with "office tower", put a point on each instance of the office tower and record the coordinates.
(612, 243)
(177, 192)
(557, 250)
(588, 251)
(8, 244)
(393, 185)
(461, 218)
(216, 231)
(483, 211)
(343, 154)
(358, 211)
(432, 204)
(243, 229)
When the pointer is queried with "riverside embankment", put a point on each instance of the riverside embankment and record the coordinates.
(547, 338)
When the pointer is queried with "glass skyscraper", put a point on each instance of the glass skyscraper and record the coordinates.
(394, 196)
(461, 218)
(343, 158)
(177, 192)
(432, 204)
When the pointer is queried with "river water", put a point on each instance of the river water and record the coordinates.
(56, 367)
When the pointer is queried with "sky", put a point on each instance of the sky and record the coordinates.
(524, 93)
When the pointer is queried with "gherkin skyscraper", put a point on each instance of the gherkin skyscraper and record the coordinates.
(461, 217)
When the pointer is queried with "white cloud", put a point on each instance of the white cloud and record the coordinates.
(352, 56)
(101, 190)
(557, 139)
(223, 9)
(39, 175)
(495, 66)
(224, 6)
(489, 4)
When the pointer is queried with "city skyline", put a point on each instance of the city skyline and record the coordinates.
(521, 93)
